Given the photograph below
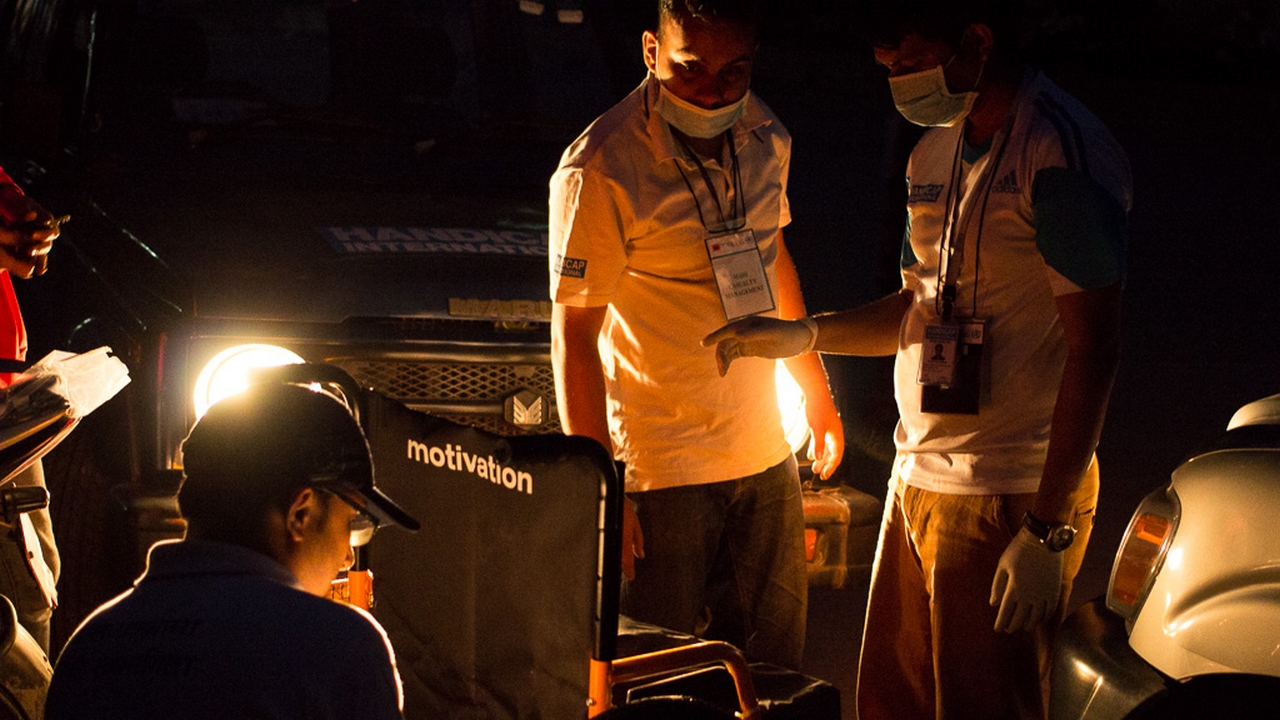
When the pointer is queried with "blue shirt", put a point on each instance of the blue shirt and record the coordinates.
(214, 630)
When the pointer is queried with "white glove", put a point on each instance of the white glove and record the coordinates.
(759, 336)
(1027, 584)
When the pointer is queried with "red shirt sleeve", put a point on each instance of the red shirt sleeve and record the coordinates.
(12, 200)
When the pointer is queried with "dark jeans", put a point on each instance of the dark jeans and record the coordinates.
(734, 547)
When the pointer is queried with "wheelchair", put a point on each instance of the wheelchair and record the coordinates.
(505, 603)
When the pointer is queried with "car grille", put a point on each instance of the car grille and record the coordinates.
(468, 393)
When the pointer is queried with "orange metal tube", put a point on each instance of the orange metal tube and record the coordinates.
(686, 657)
(599, 687)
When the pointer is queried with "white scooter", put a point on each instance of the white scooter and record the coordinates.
(1190, 625)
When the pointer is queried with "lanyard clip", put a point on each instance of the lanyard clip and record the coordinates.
(948, 301)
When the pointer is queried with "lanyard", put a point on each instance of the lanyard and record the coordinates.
(948, 249)
(736, 220)
(951, 252)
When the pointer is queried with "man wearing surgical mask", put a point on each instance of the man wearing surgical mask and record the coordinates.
(666, 222)
(1012, 264)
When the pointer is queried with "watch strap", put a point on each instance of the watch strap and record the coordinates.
(1054, 536)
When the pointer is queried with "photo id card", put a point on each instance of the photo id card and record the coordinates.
(938, 354)
(963, 394)
(740, 275)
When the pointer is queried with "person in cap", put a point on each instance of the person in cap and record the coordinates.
(233, 620)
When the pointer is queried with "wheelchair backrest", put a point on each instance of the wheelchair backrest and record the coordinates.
(496, 605)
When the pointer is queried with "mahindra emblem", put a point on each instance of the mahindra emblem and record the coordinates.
(525, 409)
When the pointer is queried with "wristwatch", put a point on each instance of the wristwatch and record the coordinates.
(1054, 536)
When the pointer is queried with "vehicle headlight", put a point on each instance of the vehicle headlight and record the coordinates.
(795, 425)
(227, 373)
(1142, 552)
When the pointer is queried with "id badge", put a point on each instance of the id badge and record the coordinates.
(739, 272)
(938, 354)
(962, 394)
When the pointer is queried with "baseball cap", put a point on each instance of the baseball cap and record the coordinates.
(278, 432)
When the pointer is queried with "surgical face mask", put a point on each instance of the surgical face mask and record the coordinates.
(696, 121)
(923, 98)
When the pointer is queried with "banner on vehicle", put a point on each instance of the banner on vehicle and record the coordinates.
(459, 241)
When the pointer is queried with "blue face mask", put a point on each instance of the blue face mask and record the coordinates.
(923, 98)
(696, 121)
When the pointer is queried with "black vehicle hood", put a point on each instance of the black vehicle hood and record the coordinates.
(239, 231)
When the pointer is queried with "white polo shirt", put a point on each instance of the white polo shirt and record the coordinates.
(626, 232)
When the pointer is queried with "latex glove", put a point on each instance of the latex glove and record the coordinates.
(759, 336)
(1027, 584)
(632, 539)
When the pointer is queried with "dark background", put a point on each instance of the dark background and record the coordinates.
(1187, 87)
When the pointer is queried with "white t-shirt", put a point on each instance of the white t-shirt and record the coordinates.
(626, 232)
(1048, 221)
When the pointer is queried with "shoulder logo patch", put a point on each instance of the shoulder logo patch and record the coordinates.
(571, 267)
(924, 193)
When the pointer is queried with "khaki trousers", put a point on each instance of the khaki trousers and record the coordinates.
(929, 649)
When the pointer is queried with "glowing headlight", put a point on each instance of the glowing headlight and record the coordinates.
(1142, 552)
(791, 402)
(227, 373)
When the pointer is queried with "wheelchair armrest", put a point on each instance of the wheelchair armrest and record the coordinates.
(669, 661)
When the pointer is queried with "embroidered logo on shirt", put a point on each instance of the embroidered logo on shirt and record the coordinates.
(924, 193)
(1007, 184)
(571, 267)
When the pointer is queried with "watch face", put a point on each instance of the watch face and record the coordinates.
(1060, 538)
